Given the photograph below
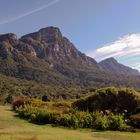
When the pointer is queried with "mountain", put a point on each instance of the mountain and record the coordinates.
(111, 65)
(48, 58)
(44, 56)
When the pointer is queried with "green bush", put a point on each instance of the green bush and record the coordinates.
(45, 98)
(80, 105)
(76, 119)
(35, 113)
(86, 120)
(115, 121)
(100, 121)
(127, 100)
(9, 99)
(117, 100)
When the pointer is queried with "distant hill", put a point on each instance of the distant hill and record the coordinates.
(112, 66)
(47, 57)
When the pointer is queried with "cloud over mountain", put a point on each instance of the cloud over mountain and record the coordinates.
(127, 47)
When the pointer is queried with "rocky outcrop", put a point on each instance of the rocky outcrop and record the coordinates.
(50, 44)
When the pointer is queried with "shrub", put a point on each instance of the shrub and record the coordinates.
(128, 100)
(20, 102)
(75, 119)
(86, 120)
(126, 128)
(115, 121)
(80, 105)
(135, 120)
(39, 117)
(100, 121)
(61, 104)
(9, 99)
(64, 120)
(45, 98)
(116, 100)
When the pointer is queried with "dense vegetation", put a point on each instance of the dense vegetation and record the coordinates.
(116, 100)
(10, 86)
(62, 114)
(16, 87)
(106, 109)
(13, 128)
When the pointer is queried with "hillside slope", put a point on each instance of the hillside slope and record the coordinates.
(112, 66)
(47, 57)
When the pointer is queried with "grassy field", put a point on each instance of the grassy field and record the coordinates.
(13, 128)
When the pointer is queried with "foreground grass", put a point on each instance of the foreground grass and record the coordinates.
(13, 128)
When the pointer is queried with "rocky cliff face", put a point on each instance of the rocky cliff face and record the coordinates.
(112, 66)
(6, 44)
(47, 56)
(49, 44)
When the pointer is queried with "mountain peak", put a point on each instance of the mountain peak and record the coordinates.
(111, 60)
(50, 29)
(8, 36)
(111, 65)
(48, 34)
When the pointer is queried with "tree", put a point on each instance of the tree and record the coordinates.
(9, 99)
(45, 98)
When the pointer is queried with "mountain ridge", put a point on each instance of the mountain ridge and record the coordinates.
(46, 56)
(111, 65)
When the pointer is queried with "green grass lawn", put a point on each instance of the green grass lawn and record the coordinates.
(13, 128)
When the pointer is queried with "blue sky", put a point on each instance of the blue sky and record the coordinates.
(99, 28)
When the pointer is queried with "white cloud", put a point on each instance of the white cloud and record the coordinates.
(28, 13)
(136, 65)
(124, 48)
